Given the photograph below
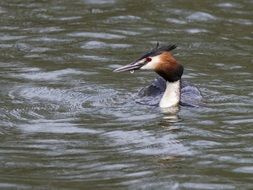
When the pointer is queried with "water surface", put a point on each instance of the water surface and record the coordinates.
(68, 122)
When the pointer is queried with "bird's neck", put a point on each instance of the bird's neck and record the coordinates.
(171, 96)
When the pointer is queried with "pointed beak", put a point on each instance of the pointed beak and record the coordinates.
(130, 67)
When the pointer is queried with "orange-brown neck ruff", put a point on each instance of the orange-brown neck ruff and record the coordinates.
(169, 68)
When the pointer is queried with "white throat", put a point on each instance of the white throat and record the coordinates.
(171, 96)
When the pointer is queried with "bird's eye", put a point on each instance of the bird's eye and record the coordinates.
(148, 59)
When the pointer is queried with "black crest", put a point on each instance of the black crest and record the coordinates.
(158, 50)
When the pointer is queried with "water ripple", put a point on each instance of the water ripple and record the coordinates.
(246, 169)
(96, 35)
(99, 1)
(44, 30)
(6, 37)
(37, 75)
(201, 16)
(98, 45)
(60, 127)
(229, 5)
(147, 143)
(123, 19)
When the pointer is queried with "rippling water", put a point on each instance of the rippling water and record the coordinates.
(68, 122)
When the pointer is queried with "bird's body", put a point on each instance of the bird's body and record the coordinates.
(168, 90)
(153, 93)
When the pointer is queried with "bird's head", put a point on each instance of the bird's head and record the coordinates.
(160, 60)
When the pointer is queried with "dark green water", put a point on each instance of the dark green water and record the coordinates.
(68, 122)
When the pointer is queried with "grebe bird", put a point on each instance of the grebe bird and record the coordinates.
(168, 90)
